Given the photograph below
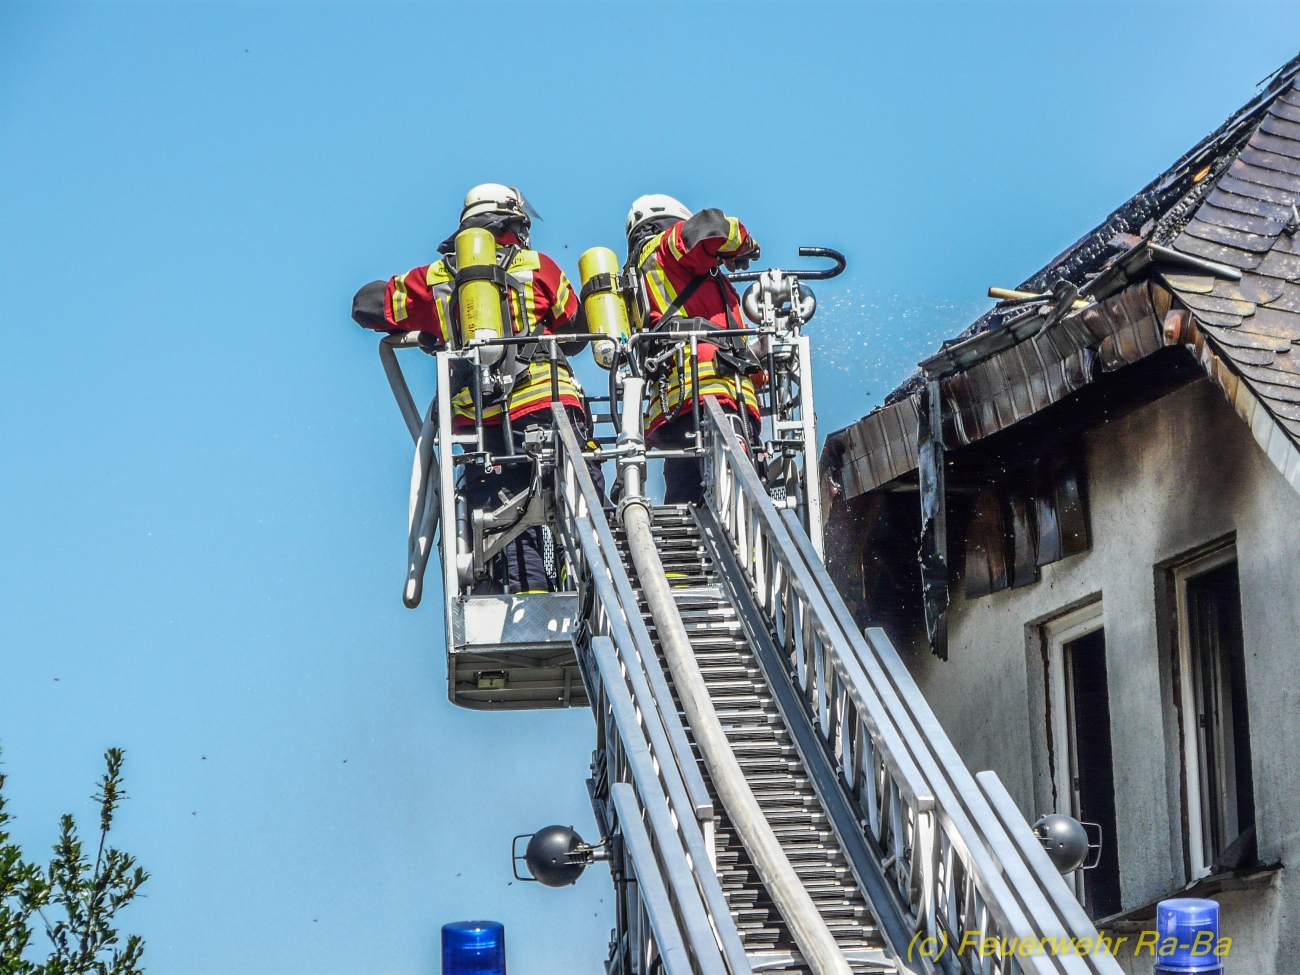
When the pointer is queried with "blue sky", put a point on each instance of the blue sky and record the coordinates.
(202, 474)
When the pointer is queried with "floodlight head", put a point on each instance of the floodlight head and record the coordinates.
(1064, 839)
(556, 856)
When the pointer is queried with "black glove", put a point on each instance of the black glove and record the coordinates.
(743, 259)
(368, 306)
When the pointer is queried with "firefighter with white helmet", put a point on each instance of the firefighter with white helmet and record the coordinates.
(492, 200)
(535, 298)
(677, 256)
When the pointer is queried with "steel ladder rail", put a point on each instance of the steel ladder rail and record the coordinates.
(863, 854)
(1025, 850)
(615, 669)
(671, 864)
(994, 902)
(586, 536)
(757, 730)
(652, 893)
(1006, 885)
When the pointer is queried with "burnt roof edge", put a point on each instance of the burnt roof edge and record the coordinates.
(1277, 443)
(1105, 335)
(1156, 200)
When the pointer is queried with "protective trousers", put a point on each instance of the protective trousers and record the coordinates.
(523, 566)
(683, 476)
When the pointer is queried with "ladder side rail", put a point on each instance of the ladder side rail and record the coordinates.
(638, 766)
(1003, 835)
(448, 535)
(665, 944)
(613, 683)
(886, 902)
(812, 494)
(1009, 841)
(579, 498)
(988, 898)
(396, 380)
(890, 792)
(1035, 857)
(618, 763)
(589, 544)
(765, 550)
(778, 595)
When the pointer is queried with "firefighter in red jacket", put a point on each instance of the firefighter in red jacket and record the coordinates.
(677, 256)
(540, 300)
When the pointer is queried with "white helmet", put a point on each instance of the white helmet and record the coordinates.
(654, 205)
(495, 198)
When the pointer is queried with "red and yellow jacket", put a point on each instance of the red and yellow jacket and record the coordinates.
(424, 300)
(668, 263)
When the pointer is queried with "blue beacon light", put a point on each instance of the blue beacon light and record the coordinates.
(1182, 918)
(474, 948)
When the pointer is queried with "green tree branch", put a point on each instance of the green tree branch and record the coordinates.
(84, 940)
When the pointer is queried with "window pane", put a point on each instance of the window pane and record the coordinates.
(1223, 738)
(1094, 767)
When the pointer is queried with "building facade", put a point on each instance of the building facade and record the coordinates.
(1080, 524)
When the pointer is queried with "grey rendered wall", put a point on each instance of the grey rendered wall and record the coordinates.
(1162, 481)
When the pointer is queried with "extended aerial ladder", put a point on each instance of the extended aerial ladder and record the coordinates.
(772, 790)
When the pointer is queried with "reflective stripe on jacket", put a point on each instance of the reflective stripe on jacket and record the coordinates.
(672, 393)
(424, 300)
(668, 263)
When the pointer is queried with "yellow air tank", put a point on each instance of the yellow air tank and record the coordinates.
(479, 298)
(604, 305)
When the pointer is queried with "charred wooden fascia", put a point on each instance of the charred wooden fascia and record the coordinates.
(933, 554)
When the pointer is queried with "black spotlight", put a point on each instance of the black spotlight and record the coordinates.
(1069, 843)
(555, 856)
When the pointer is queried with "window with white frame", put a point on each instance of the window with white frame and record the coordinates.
(1079, 743)
(1211, 675)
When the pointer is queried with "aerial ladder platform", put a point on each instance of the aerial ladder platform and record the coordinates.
(772, 790)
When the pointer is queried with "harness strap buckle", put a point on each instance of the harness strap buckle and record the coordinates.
(484, 272)
(605, 281)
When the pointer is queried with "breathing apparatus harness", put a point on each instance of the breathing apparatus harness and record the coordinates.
(731, 353)
(517, 358)
(498, 379)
